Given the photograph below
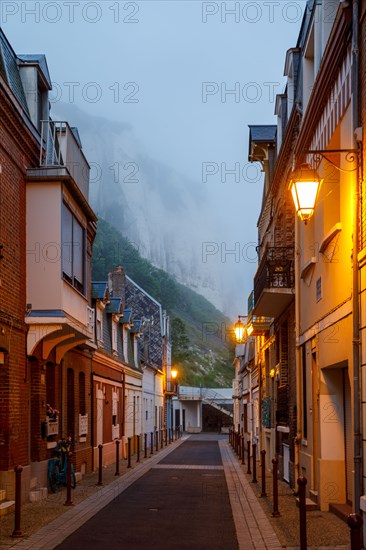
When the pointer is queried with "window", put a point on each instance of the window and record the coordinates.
(304, 395)
(319, 289)
(82, 401)
(114, 334)
(70, 404)
(73, 250)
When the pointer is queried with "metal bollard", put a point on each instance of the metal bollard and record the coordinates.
(18, 501)
(138, 448)
(242, 449)
(275, 512)
(117, 457)
(263, 467)
(68, 501)
(302, 481)
(161, 439)
(229, 436)
(128, 452)
(100, 464)
(254, 453)
(248, 469)
(145, 445)
(157, 440)
(151, 443)
(170, 435)
(354, 522)
(166, 437)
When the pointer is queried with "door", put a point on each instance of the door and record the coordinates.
(177, 418)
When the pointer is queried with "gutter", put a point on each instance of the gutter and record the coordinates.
(357, 490)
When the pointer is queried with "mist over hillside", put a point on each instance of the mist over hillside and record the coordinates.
(167, 217)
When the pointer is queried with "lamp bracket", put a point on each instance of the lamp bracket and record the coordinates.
(350, 155)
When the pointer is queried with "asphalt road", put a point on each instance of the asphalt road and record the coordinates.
(182, 503)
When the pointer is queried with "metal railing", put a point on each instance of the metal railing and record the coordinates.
(60, 147)
(275, 270)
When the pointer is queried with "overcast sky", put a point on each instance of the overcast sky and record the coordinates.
(166, 68)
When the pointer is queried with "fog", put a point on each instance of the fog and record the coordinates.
(162, 93)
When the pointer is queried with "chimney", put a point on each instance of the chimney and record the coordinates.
(116, 284)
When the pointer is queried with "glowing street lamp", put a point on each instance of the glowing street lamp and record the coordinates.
(240, 329)
(304, 185)
(174, 373)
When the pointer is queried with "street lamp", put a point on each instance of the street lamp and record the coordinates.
(240, 329)
(305, 185)
(305, 181)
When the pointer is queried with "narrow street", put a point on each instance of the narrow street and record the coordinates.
(186, 500)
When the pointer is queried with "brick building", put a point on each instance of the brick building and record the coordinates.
(19, 149)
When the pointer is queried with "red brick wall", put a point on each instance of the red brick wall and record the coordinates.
(18, 151)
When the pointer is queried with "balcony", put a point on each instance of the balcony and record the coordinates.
(274, 282)
(62, 158)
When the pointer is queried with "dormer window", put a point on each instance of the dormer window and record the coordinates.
(36, 83)
(115, 323)
(73, 250)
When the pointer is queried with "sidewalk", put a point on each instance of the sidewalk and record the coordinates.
(324, 530)
(47, 523)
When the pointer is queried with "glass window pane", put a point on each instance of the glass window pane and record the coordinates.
(66, 232)
(78, 251)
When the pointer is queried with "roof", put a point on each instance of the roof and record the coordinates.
(98, 290)
(262, 133)
(40, 60)
(136, 326)
(9, 71)
(114, 306)
(127, 314)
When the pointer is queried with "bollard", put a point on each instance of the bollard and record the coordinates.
(68, 501)
(18, 501)
(145, 445)
(239, 446)
(302, 481)
(151, 443)
(128, 452)
(354, 522)
(275, 512)
(117, 458)
(263, 467)
(170, 435)
(242, 449)
(254, 453)
(100, 465)
(138, 448)
(248, 469)
(166, 437)
(157, 440)
(161, 439)
(229, 436)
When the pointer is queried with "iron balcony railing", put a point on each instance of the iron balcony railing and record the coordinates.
(275, 270)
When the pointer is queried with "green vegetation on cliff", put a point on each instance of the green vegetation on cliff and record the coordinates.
(201, 349)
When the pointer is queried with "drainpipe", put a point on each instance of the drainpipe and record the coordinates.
(298, 359)
(355, 294)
